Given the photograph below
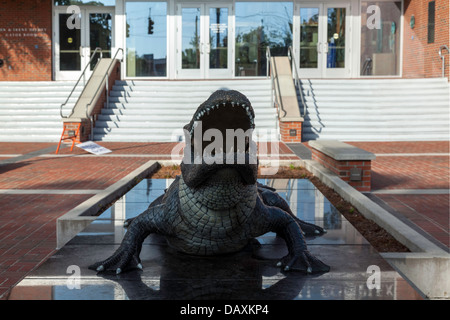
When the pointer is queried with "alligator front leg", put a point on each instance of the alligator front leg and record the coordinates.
(127, 255)
(271, 198)
(299, 258)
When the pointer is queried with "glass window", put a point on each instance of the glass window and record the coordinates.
(69, 45)
(260, 25)
(146, 34)
(86, 2)
(100, 35)
(309, 37)
(336, 37)
(380, 38)
(218, 38)
(190, 40)
(431, 17)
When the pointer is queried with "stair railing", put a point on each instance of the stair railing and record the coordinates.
(105, 76)
(83, 75)
(297, 82)
(367, 67)
(441, 55)
(274, 96)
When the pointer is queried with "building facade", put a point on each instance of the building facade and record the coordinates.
(42, 40)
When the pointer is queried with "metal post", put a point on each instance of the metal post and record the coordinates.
(107, 91)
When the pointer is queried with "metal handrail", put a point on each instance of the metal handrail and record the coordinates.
(366, 66)
(272, 80)
(443, 58)
(98, 49)
(297, 82)
(106, 75)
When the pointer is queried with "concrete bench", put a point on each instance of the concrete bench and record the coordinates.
(350, 163)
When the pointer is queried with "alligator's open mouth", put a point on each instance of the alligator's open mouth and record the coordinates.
(225, 115)
(219, 135)
(225, 110)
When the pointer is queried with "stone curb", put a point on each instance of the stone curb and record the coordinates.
(409, 237)
(74, 221)
(426, 267)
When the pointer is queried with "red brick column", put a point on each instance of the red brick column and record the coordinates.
(72, 125)
(291, 131)
(342, 169)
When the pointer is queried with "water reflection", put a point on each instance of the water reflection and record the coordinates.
(302, 196)
(248, 274)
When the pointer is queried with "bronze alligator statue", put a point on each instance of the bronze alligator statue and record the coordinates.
(217, 207)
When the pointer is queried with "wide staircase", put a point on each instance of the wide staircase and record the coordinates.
(376, 109)
(30, 111)
(158, 110)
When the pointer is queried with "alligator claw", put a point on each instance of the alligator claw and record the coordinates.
(304, 262)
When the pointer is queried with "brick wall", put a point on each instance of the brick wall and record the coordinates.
(420, 58)
(285, 131)
(342, 169)
(25, 40)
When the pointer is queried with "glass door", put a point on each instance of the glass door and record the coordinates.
(190, 41)
(335, 34)
(323, 52)
(217, 44)
(203, 48)
(76, 37)
(310, 62)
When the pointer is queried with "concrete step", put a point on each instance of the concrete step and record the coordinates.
(416, 98)
(27, 125)
(360, 92)
(154, 110)
(418, 136)
(198, 95)
(376, 109)
(167, 136)
(380, 126)
(144, 109)
(188, 101)
(31, 137)
(30, 111)
(32, 99)
(219, 83)
(368, 83)
(358, 106)
(163, 123)
(56, 130)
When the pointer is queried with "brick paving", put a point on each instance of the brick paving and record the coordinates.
(413, 170)
(28, 221)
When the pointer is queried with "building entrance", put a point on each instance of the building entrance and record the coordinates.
(204, 33)
(76, 35)
(323, 49)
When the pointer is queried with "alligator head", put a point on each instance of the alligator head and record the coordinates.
(219, 141)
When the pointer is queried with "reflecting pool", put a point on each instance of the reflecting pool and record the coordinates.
(249, 274)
